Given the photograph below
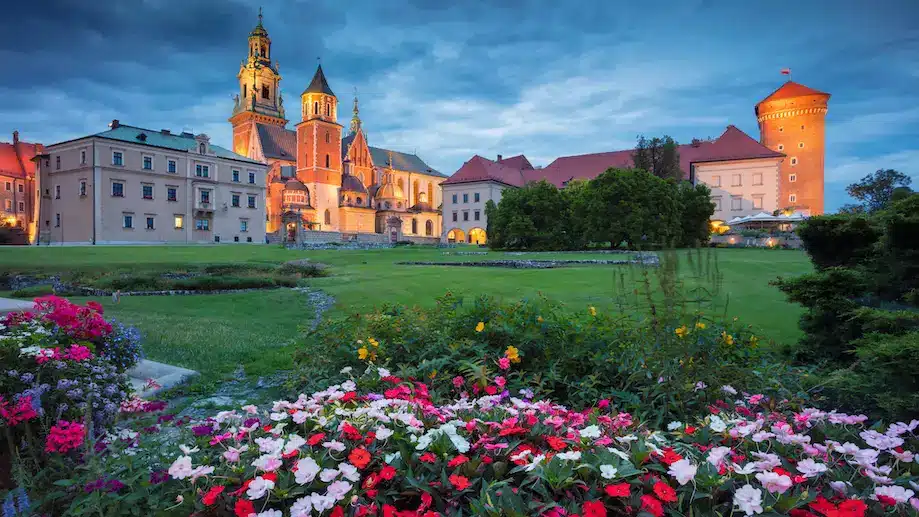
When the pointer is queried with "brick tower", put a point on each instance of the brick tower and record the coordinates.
(792, 121)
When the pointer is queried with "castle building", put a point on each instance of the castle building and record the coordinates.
(18, 206)
(783, 170)
(321, 177)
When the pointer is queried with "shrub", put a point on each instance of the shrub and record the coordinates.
(123, 347)
(303, 269)
(34, 291)
(841, 240)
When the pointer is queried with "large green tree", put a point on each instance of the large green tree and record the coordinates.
(532, 217)
(696, 209)
(659, 156)
(875, 191)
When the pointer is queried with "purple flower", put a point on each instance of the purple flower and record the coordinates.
(114, 485)
(250, 422)
(164, 418)
(94, 486)
(374, 396)
(27, 377)
(203, 430)
(160, 476)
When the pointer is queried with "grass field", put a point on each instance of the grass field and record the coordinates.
(215, 333)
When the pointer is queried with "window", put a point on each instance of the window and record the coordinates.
(8, 205)
(117, 189)
(244, 90)
(429, 228)
(57, 162)
(476, 215)
(781, 147)
(465, 198)
(465, 216)
(736, 180)
(328, 109)
(57, 220)
(327, 137)
(202, 149)
(328, 217)
(781, 129)
(82, 157)
(717, 201)
(127, 221)
(57, 192)
(147, 191)
(150, 223)
(475, 197)
(454, 216)
(82, 188)
(9, 186)
(794, 160)
(20, 188)
(171, 194)
(251, 178)
(22, 206)
(202, 224)
(235, 176)
(234, 200)
(792, 198)
(800, 145)
(327, 161)
(716, 181)
(802, 127)
(117, 158)
(315, 108)
(178, 221)
(758, 178)
(251, 201)
(236, 238)
(171, 166)
(205, 196)
(454, 200)
(266, 93)
(148, 163)
(248, 239)
(244, 225)
(415, 226)
(202, 171)
(792, 178)
(736, 203)
(758, 201)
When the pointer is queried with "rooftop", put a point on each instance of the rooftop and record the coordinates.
(791, 90)
(16, 158)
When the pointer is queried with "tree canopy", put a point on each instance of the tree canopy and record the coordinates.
(659, 156)
(877, 191)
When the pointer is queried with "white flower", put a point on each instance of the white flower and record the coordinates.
(334, 445)
(181, 467)
(270, 445)
(683, 471)
(259, 487)
(673, 426)
(186, 450)
(349, 472)
(383, 433)
(729, 389)
(251, 409)
(717, 424)
(810, 468)
(294, 442)
(383, 372)
(200, 471)
(880, 441)
(267, 462)
(608, 471)
(279, 416)
(700, 386)
(749, 500)
(905, 456)
(840, 487)
(774, 483)
(348, 386)
(717, 455)
(302, 507)
(270, 513)
(897, 493)
(569, 456)
(338, 489)
(346, 370)
(590, 431)
(746, 470)
(328, 475)
(322, 503)
(534, 463)
(307, 468)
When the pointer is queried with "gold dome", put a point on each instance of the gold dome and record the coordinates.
(390, 191)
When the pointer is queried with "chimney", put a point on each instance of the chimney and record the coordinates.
(696, 142)
(15, 137)
(165, 131)
(114, 124)
(500, 157)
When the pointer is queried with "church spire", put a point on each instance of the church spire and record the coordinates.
(356, 119)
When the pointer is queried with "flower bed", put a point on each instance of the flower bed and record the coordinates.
(378, 445)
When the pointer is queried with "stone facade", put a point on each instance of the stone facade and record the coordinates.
(18, 207)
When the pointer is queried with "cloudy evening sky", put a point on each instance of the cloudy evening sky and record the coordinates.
(449, 79)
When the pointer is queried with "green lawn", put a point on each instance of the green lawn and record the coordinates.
(214, 333)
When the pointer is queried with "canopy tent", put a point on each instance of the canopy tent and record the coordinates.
(766, 220)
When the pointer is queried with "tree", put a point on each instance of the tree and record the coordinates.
(876, 190)
(659, 156)
(696, 212)
(532, 217)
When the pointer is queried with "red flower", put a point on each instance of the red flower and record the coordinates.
(491, 390)
(594, 509)
(211, 496)
(652, 505)
(270, 476)
(65, 436)
(348, 397)
(664, 492)
(244, 508)
(886, 500)
(21, 412)
(457, 461)
(351, 432)
(428, 458)
(359, 457)
(523, 457)
(371, 481)
(690, 429)
(337, 512)
(556, 443)
(617, 490)
(388, 472)
(670, 456)
(459, 482)
(315, 439)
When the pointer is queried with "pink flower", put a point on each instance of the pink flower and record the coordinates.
(500, 381)
(65, 436)
(774, 483)
(504, 363)
(458, 381)
(78, 353)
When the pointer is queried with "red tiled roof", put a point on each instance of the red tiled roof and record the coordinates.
(790, 90)
(518, 162)
(483, 169)
(18, 165)
(733, 144)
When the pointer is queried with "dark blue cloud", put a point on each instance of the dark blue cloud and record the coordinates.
(450, 79)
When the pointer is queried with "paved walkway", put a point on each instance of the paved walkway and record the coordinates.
(166, 375)
(8, 305)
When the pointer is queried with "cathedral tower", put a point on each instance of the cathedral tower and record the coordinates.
(259, 100)
(792, 122)
(319, 134)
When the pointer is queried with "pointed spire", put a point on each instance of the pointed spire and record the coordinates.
(259, 29)
(319, 84)
(356, 119)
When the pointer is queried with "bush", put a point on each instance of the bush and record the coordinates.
(839, 240)
(574, 359)
(303, 269)
(34, 291)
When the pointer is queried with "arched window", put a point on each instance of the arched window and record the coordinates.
(266, 92)
(328, 217)
(316, 108)
(328, 109)
(429, 228)
(401, 185)
(415, 226)
(327, 161)
(399, 204)
(327, 137)
(201, 148)
(358, 200)
(244, 91)
(387, 205)
(430, 192)
(415, 191)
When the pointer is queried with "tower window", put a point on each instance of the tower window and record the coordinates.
(266, 92)
(327, 161)
(781, 147)
(316, 108)
(244, 90)
(794, 160)
(781, 129)
(328, 109)
(327, 138)
(800, 145)
(802, 126)
(792, 178)
(792, 198)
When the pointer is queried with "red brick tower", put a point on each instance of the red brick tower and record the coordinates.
(792, 121)
(319, 134)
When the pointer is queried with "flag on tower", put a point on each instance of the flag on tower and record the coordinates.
(786, 71)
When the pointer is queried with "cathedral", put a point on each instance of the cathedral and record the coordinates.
(320, 177)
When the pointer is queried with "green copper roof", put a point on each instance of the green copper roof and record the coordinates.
(319, 84)
(177, 141)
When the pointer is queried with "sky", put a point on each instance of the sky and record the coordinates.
(451, 79)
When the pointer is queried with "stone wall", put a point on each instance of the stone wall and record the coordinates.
(739, 241)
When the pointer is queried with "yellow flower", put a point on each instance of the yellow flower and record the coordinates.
(362, 353)
(593, 311)
(480, 327)
(373, 342)
(700, 325)
(433, 374)
(681, 332)
(513, 354)
(729, 339)
(754, 340)
(539, 319)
